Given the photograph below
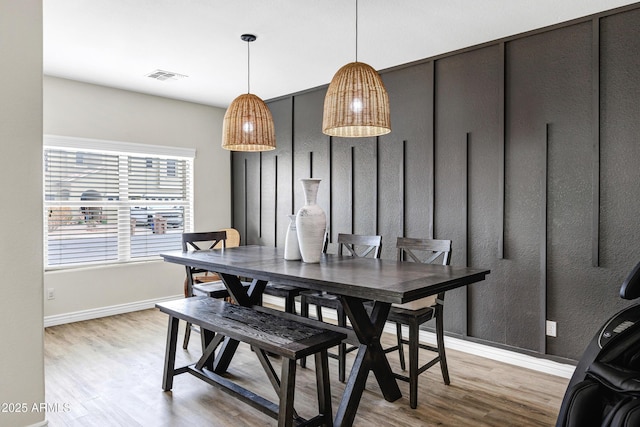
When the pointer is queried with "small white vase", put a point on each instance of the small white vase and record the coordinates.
(291, 246)
(311, 223)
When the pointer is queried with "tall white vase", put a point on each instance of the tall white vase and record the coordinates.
(311, 222)
(291, 246)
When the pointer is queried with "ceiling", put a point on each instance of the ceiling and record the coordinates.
(300, 45)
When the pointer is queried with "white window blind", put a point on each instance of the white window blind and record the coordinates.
(110, 202)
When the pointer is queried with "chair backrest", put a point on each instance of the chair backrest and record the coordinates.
(233, 237)
(325, 242)
(194, 241)
(425, 251)
(360, 245)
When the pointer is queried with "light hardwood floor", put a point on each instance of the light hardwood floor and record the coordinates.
(107, 372)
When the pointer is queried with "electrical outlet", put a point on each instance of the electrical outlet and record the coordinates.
(551, 328)
(51, 293)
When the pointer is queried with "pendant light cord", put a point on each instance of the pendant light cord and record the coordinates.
(356, 30)
(248, 67)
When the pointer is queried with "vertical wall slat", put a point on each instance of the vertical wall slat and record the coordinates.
(595, 179)
(352, 188)
(275, 199)
(544, 196)
(331, 165)
(377, 184)
(501, 143)
(246, 198)
(293, 150)
(431, 140)
(260, 158)
(467, 239)
(403, 187)
(377, 201)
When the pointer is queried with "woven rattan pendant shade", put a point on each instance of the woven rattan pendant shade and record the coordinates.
(248, 125)
(356, 103)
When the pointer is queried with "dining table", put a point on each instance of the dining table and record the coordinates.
(367, 288)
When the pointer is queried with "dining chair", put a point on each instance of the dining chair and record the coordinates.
(202, 282)
(288, 292)
(415, 313)
(350, 245)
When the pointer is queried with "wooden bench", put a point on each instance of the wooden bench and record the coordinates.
(266, 332)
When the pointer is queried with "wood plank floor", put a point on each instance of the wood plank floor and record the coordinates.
(107, 372)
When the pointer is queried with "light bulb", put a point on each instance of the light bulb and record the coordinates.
(247, 127)
(356, 105)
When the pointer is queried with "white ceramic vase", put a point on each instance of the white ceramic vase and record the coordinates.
(311, 222)
(291, 246)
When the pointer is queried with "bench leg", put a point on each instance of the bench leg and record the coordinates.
(324, 389)
(170, 354)
(287, 389)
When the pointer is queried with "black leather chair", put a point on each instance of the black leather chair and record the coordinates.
(605, 387)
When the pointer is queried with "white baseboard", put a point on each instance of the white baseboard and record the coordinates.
(77, 316)
(511, 357)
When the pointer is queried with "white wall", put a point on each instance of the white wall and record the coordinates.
(84, 110)
(21, 337)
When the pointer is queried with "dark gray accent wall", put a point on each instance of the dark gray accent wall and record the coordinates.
(405, 158)
(619, 156)
(548, 104)
(522, 151)
(466, 183)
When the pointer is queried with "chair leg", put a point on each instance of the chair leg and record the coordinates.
(403, 366)
(304, 312)
(342, 347)
(441, 352)
(187, 334)
(290, 304)
(413, 364)
(319, 312)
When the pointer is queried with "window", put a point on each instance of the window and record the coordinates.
(112, 202)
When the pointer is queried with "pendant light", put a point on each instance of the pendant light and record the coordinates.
(247, 124)
(356, 103)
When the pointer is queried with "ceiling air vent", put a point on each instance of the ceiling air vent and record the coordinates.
(165, 75)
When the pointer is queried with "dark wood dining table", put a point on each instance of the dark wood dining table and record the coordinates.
(355, 280)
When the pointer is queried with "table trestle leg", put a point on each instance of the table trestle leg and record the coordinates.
(370, 357)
